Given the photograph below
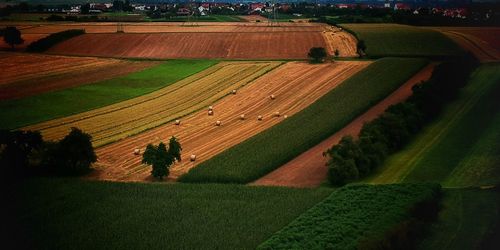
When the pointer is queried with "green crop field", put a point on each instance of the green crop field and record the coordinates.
(467, 220)
(30, 110)
(462, 148)
(274, 147)
(75, 214)
(402, 40)
(352, 215)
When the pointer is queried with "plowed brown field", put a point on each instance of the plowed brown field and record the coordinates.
(29, 74)
(295, 85)
(483, 42)
(130, 117)
(309, 168)
(273, 45)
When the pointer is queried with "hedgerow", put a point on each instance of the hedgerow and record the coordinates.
(45, 43)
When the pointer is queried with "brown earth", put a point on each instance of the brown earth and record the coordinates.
(309, 169)
(295, 85)
(483, 42)
(29, 74)
(273, 45)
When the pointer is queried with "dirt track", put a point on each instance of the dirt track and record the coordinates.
(258, 45)
(29, 74)
(308, 169)
(296, 85)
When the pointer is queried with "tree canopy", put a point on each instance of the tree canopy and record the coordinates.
(12, 36)
(317, 54)
(160, 158)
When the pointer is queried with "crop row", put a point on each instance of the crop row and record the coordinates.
(274, 147)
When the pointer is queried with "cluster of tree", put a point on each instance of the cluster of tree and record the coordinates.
(161, 158)
(72, 18)
(49, 41)
(12, 36)
(388, 133)
(317, 54)
(25, 153)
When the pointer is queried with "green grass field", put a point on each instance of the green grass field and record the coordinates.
(402, 40)
(351, 215)
(462, 148)
(466, 221)
(30, 110)
(76, 214)
(274, 147)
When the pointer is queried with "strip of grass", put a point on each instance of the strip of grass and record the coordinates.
(274, 147)
(462, 147)
(73, 214)
(350, 215)
(467, 219)
(34, 109)
(402, 40)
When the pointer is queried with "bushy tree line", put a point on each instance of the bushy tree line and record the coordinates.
(25, 153)
(49, 41)
(355, 158)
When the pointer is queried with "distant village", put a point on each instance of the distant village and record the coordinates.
(204, 9)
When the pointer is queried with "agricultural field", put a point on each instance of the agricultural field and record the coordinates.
(483, 42)
(402, 40)
(281, 143)
(244, 45)
(66, 213)
(295, 86)
(51, 105)
(468, 220)
(126, 118)
(467, 133)
(30, 74)
(309, 168)
(355, 217)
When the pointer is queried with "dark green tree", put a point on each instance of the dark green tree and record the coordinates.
(160, 158)
(12, 36)
(341, 171)
(85, 8)
(74, 153)
(317, 54)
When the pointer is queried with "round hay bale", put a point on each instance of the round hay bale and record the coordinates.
(177, 122)
(277, 114)
(192, 158)
(218, 123)
(272, 97)
(260, 118)
(285, 116)
(210, 108)
(233, 92)
(210, 112)
(137, 151)
(242, 117)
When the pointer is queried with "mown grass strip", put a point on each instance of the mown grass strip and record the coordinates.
(34, 109)
(402, 40)
(67, 213)
(274, 147)
(460, 148)
(354, 216)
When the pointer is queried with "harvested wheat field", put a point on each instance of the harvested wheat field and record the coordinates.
(483, 42)
(273, 45)
(294, 85)
(337, 39)
(309, 168)
(29, 74)
(130, 117)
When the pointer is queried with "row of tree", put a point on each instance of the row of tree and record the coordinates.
(161, 158)
(355, 158)
(25, 153)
